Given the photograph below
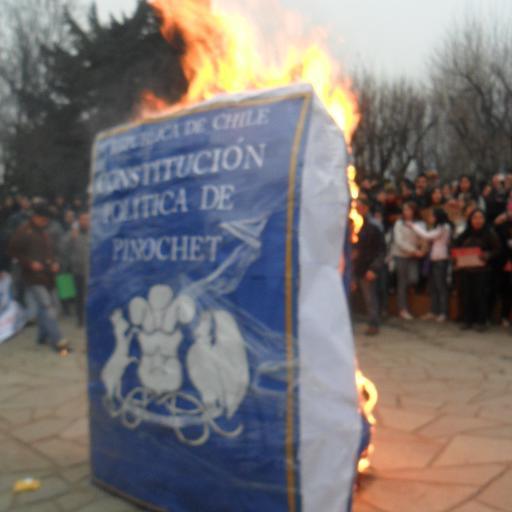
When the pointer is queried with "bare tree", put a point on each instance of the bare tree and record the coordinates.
(395, 121)
(472, 91)
(27, 29)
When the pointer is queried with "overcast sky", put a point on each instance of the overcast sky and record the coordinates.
(390, 36)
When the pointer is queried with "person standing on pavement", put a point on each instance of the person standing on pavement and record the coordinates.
(77, 247)
(496, 201)
(503, 224)
(475, 279)
(33, 248)
(369, 256)
(20, 213)
(440, 236)
(69, 225)
(407, 250)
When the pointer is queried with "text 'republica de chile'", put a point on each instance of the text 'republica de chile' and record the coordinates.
(152, 189)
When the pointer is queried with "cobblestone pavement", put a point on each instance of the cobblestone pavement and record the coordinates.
(444, 438)
(443, 443)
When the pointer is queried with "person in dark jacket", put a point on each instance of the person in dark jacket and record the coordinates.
(503, 224)
(369, 256)
(20, 213)
(475, 280)
(496, 201)
(32, 247)
(69, 226)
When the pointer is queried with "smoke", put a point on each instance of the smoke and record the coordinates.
(277, 28)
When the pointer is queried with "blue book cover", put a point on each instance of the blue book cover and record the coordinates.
(201, 369)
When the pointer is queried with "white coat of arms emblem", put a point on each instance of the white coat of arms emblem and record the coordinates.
(215, 367)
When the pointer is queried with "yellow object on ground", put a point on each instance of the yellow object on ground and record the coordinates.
(26, 485)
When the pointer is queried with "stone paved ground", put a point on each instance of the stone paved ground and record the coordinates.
(443, 443)
(444, 439)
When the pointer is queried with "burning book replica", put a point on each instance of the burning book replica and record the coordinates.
(222, 365)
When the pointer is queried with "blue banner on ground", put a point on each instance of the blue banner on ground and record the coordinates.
(12, 318)
(194, 309)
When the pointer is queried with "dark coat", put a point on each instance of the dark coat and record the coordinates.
(370, 250)
(505, 234)
(495, 204)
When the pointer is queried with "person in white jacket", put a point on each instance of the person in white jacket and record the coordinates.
(407, 249)
(440, 237)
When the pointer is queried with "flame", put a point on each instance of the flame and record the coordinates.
(368, 398)
(224, 54)
(152, 103)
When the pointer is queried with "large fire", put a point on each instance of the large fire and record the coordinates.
(224, 54)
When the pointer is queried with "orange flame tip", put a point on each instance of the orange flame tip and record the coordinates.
(224, 54)
(368, 398)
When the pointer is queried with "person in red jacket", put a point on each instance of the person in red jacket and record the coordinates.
(33, 248)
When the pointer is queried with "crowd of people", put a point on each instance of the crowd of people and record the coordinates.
(454, 237)
(44, 247)
(450, 237)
